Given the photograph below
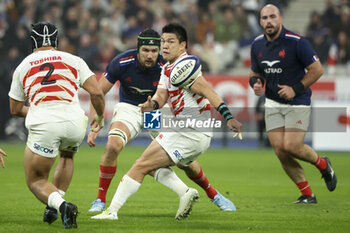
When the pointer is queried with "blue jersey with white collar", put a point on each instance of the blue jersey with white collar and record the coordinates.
(283, 61)
(136, 84)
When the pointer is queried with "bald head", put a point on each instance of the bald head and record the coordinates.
(271, 21)
(270, 8)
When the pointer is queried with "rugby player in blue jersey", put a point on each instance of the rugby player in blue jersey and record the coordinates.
(138, 71)
(279, 60)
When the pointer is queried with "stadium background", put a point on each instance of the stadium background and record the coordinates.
(252, 177)
(220, 33)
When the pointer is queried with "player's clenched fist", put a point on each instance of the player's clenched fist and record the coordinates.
(259, 88)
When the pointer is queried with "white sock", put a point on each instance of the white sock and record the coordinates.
(168, 178)
(126, 188)
(61, 192)
(55, 200)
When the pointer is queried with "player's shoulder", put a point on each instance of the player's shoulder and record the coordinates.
(295, 39)
(258, 39)
(127, 57)
(27, 63)
(290, 35)
(257, 42)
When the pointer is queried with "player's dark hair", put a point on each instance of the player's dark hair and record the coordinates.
(148, 37)
(44, 34)
(178, 30)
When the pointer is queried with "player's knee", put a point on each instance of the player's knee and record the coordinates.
(182, 167)
(142, 166)
(281, 153)
(114, 147)
(35, 182)
(118, 136)
(278, 147)
(292, 147)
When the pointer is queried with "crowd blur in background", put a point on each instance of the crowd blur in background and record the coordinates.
(220, 32)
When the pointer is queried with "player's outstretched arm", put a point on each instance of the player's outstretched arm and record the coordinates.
(202, 87)
(2, 153)
(157, 101)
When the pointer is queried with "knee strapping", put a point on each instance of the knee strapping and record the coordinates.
(119, 133)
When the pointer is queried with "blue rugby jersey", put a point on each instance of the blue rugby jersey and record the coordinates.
(283, 61)
(135, 84)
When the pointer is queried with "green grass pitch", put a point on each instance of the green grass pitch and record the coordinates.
(252, 179)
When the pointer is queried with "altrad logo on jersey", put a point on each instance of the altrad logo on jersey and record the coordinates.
(270, 69)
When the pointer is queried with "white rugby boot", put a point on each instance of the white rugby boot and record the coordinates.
(186, 202)
(107, 214)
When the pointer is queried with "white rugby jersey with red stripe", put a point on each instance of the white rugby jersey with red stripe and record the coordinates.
(183, 101)
(49, 81)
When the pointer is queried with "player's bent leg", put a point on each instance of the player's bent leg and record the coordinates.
(295, 144)
(117, 138)
(289, 163)
(61, 179)
(37, 169)
(152, 158)
(167, 177)
(196, 174)
(64, 170)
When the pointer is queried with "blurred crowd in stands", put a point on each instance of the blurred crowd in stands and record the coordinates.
(329, 33)
(98, 29)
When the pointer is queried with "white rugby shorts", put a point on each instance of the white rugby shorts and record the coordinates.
(184, 148)
(130, 116)
(47, 138)
(279, 115)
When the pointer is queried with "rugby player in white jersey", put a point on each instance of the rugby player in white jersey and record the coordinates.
(138, 72)
(48, 80)
(187, 143)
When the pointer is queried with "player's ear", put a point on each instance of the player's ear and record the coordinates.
(183, 44)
